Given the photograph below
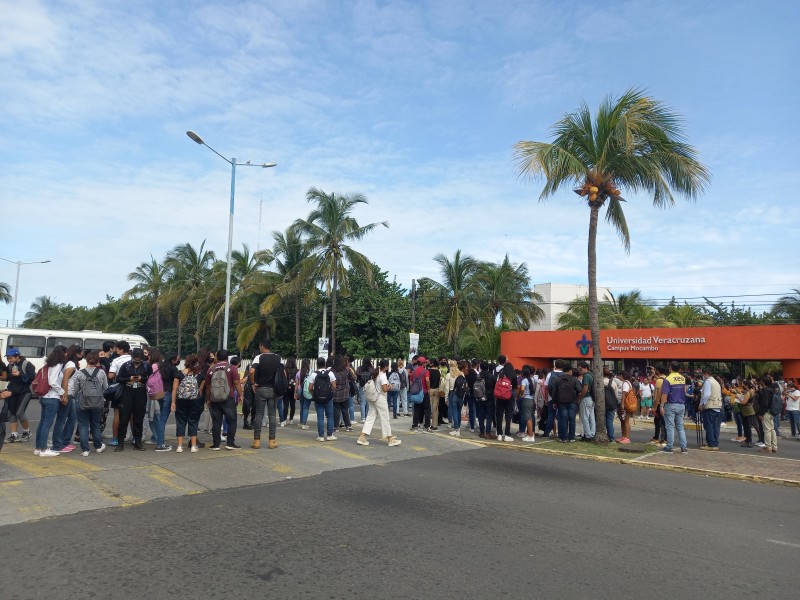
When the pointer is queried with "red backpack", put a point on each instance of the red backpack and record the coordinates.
(41, 383)
(502, 389)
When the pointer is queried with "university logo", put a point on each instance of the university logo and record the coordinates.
(584, 345)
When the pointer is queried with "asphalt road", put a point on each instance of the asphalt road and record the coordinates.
(487, 523)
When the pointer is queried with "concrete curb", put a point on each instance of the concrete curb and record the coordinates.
(640, 462)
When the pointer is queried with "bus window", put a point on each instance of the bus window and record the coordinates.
(96, 345)
(54, 341)
(30, 346)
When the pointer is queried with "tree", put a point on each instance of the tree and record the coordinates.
(190, 269)
(630, 310)
(685, 315)
(5, 293)
(504, 290)
(787, 308)
(44, 312)
(633, 142)
(329, 229)
(149, 288)
(456, 293)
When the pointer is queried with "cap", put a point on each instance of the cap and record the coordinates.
(422, 360)
(12, 352)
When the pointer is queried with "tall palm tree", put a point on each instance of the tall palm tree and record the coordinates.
(43, 310)
(456, 292)
(328, 231)
(787, 308)
(633, 142)
(246, 269)
(290, 280)
(190, 269)
(5, 293)
(686, 315)
(505, 291)
(631, 310)
(149, 288)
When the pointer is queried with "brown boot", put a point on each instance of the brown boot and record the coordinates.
(272, 444)
(256, 444)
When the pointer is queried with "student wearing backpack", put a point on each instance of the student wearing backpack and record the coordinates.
(302, 391)
(764, 412)
(627, 407)
(90, 383)
(265, 372)
(435, 381)
(375, 392)
(567, 389)
(459, 394)
(552, 407)
(403, 398)
(393, 395)
(586, 404)
(222, 380)
(422, 410)
(51, 399)
(185, 389)
(483, 391)
(67, 416)
(504, 399)
(322, 385)
(20, 375)
(364, 374)
(525, 391)
(610, 397)
(341, 394)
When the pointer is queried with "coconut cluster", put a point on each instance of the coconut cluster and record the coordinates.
(598, 188)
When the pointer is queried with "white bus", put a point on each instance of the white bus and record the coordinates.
(36, 344)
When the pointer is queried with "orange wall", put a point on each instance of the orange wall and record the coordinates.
(767, 342)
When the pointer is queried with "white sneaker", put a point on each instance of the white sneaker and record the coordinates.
(362, 442)
(290, 422)
(195, 449)
(100, 449)
(304, 427)
(283, 423)
(179, 449)
(508, 438)
(454, 432)
(332, 438)
(320, 439)
(85, 453)
(529, 439)
(394, 442)
(761, 444)
(36, 452)
(499, 438)
(224, 438)
(48, 452)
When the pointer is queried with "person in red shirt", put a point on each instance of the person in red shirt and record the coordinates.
(225, 407)
(422, 411)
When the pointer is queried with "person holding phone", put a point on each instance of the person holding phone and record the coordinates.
(133, 404)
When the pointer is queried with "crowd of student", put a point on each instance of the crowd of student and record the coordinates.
(143, 388)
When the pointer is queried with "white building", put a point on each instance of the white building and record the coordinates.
(556, 297)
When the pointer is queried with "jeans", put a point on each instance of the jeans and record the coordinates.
(471, 410)
(217, 410)
(265, 400)
(659, 428)
(404, 400)
(673, 418)
(351, 408)
(281, 407)
(324, 409)
(587, 417)
(456, 404)
(422, 412)
(551, 417)
(451, 405)
(566, 421)
(163, 417)
(737, 418)
(391, 399)
(362, 401)
(776, 420)
(610, 414)
(485, 410)
(90, 417)
(66, 418)
(341, 415)
(794, 421)
(305, 405)
(711, 423)
(49, 410)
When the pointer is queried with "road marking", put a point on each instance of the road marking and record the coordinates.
(784, 543)
(51, 467)
(419, 448)
(345, 453)
(167, 478)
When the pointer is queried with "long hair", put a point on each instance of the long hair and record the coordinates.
(57, 357)
(72, 353)
(305, 367)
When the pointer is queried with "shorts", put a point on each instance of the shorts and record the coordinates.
(647, 402)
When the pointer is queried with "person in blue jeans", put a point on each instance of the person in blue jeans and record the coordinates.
(363, 375)
(711, 410)
(673, 393)
(51, 400)
(323, 399)
(567, 389)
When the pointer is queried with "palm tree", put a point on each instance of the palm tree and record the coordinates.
(328, 230)
(290, 280)
(43, 310)
(634, 142)
(149, 288)
(246, 269)
(5, 293)
(631, 310)
(190, 269)
(788, 307)
(685, 315)
(456, 292)
(576, 315)
(504, 289)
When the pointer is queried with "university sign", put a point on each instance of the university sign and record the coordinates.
(765, 342)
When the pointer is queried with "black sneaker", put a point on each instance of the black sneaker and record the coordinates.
(232, 446)
(201, 444)
(213, 447)
(26, 436)
(12, 439)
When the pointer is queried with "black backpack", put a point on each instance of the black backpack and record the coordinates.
(461, 386)
(776, 403)
(565, 390)
(322, 387)
(610, 397)
(280, 385)
(364, 376)
(479, 388)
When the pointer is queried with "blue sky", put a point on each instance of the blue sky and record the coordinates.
(414, 104)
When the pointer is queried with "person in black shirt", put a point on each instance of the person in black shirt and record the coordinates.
(262, 376)
(133, 405)
(20, 375)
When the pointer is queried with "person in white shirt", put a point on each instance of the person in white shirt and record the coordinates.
(646, 403)
(51, 400)
(379, 407)
(793, 408)
(324, 405)
(122, 350)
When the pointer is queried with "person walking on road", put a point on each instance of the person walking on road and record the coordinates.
(375, 394)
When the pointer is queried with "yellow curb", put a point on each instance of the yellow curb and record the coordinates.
(640, 462)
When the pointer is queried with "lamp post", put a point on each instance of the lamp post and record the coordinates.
(16, 285)
(232, 162)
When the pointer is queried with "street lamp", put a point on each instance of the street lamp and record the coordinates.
(232, 162)
(16, 285)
